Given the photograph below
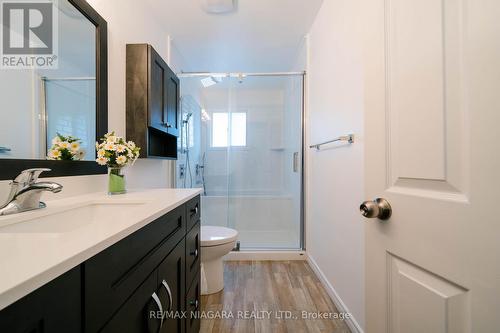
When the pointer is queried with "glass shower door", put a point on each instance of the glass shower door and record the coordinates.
(241, 141)
(264, 161)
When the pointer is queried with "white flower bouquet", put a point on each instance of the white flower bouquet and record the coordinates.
(65, 148)
(116, 153)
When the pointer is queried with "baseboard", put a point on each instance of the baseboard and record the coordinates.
(265, 255)
(341, 307)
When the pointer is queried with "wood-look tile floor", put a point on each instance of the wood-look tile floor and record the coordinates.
(263, 289)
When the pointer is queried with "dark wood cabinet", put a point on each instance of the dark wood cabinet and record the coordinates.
(55, 307)
(193, 212)
(173, 98)
(172, 289)
(193, 242)
(112, 275)
(139, 313)
(152, 307)
(193, 305)
(128, 287)
(153, 118)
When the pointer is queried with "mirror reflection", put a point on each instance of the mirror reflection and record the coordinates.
(51, 113)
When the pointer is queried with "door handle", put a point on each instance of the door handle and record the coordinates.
(167, 288)
(296, 162)
(378, 208)
(160, 308)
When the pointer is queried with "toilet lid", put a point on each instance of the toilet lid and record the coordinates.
(211, 235)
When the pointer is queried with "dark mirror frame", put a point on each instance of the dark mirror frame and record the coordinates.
(10, 168)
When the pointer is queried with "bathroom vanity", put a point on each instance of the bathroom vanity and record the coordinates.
(98, 263)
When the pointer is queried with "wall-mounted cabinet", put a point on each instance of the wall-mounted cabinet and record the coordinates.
(153, 111)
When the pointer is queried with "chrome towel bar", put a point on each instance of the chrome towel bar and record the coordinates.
(4, 150)
(347, 138)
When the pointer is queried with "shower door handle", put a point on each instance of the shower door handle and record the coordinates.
(296, 161)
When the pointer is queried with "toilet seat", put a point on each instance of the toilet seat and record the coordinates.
(212, 236)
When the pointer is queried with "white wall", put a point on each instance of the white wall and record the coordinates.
(335, 233)
(129, 21)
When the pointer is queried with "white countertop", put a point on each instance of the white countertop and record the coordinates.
(29, 260)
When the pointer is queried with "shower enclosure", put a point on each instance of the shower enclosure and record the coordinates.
(242, 142)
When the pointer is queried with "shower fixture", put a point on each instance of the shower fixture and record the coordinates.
(186, 120)
(185, 148)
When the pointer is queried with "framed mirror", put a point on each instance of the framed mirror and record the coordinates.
(52, 115)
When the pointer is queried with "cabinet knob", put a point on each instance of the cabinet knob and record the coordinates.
(194, 253)
(194, 303)
(194, 211)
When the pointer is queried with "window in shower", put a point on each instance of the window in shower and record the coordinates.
(223, 129)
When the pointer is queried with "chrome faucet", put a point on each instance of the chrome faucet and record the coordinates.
(25, 192)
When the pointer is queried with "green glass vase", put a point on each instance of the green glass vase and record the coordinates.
(116, 181)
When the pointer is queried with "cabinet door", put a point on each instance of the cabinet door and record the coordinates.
(54, 307)
(112, 275)
(193, 212)
(192, 253)
(172, 86)
(171, 289)
(193, 304)
(158, 74)
(141, 313)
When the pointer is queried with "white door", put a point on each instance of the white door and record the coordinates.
(433, 151)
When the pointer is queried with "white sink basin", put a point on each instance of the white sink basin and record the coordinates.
(66, 220)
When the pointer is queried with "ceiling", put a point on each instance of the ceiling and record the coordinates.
(260, 36)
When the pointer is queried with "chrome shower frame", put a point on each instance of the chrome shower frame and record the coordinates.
(240, 76)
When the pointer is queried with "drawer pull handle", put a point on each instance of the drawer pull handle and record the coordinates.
(194, 211)
(194, 303)
(160, 308)
(165, 285)
(194, 253)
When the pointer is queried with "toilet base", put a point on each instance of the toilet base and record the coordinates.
(212, 276)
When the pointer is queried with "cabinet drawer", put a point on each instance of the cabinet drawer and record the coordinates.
(193, 212)
(171, 289)
(140, 313)
(54, 307)
(193, 306)
(192, 253)
(112, 275)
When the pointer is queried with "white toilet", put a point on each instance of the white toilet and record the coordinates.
(216, 242)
